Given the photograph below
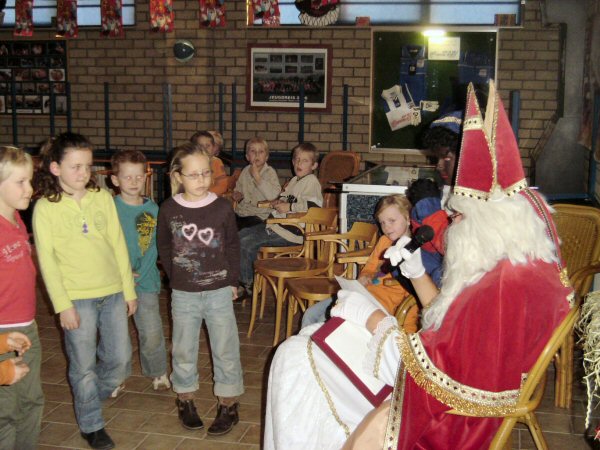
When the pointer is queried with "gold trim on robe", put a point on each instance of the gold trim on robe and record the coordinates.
(465, 399)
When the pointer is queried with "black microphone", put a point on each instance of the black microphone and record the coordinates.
(423, 235)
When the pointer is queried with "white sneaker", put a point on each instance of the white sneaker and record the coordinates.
(117, 391)
(161, 383)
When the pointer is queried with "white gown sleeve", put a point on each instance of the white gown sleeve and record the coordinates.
(383, 357)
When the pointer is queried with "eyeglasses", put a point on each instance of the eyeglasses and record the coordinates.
(196, 176)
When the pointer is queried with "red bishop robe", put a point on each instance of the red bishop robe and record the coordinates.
(493, 333)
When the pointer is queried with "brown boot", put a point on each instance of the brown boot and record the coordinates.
(227, 417)
(188, 415)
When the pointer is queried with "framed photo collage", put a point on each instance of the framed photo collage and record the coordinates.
(37, 68)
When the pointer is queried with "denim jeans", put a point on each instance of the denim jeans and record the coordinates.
(189, 309)
(22, 403)
(251, 240)
(316, 313)
(153, 353)
(96, 370)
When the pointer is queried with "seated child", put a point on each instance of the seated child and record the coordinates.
(257, 182)
(206, 141)
(138, 216)
(218, 137)
(300, 193)
(392, 213)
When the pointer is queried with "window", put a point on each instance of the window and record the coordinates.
(88, 13)
(410, 12)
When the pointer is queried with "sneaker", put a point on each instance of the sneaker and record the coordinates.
(188, 415)
(161, 383)
(227, 417)
(241, 293)
(98, 439)
(117, 391)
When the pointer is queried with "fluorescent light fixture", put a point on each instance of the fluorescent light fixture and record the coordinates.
(434, 33)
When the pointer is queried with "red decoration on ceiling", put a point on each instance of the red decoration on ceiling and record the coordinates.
(23, 18)
(66, 18)
(267, 10)
(162, 16)
(212, 13)
(111, 12)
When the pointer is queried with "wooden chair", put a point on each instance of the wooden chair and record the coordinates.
(336, 167)
(403, 308)
(533, 389)
(312, 260)
(305, 291)
(579, 231)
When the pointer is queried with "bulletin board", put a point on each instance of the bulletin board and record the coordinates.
(37, 69)
(433, 72)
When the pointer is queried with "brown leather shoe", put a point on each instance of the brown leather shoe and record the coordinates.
(188, 415)
(227, 417)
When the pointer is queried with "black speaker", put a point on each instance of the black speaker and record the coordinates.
(183, 50)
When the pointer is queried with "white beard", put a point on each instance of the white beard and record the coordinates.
(501, 228)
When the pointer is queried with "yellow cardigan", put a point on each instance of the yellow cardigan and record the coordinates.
(81, 249)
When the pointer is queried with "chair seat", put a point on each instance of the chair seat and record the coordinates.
(312, 289)
(290, 267)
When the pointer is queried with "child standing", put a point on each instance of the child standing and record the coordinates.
(199, 248)
(257, 182)
(85, 265)
(206, 141)
(138, 216)
(22, 402)
(300, 193)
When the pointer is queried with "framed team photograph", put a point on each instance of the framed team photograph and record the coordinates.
(277, 72)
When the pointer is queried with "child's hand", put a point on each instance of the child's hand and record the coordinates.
(282, 207)
(234, 291)
(131, 307)
(18, 342)
(237, 196)
(21, 369)
(365, 280)
(69, 319)
(255, 172)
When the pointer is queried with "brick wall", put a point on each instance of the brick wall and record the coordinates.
(137, 67)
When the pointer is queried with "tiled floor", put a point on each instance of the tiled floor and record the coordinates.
(143, 419)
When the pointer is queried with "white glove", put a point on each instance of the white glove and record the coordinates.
(394, 253)
(412, 267)
(353, 307)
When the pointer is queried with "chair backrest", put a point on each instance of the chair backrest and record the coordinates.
(533, 388)
(360, 237)
(579, 231)
(318, 220)
(337, 166)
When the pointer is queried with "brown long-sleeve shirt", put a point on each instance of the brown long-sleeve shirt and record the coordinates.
(198, 243)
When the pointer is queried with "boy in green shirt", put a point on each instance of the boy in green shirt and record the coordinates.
(138, 217)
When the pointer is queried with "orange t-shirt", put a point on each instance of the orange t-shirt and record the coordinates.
(219, 177)
(389, 296)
